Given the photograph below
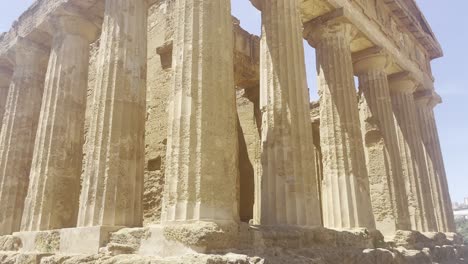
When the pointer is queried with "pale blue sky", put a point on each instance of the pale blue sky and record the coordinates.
(451, 72)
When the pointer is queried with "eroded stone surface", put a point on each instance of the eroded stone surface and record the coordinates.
(387, 186)
(202, 146)
(113, 172)
(345, 186)
(194, 63)
(288, 193)
(415, 172)
(18, 132)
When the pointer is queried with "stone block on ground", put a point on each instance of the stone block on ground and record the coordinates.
(85, 240)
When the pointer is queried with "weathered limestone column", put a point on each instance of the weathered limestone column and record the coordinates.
(113, 174)
(54, 186)
(202, 146)
(387, 186)
(288, 194)
(426, 101)
(5, 80)
(345, 187)
(415, 172)
(19, 130)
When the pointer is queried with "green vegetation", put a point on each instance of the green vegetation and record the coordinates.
(462, 228)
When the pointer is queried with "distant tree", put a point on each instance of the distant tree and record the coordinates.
(462, 228)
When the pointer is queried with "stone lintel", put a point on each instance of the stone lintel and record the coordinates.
(85, 240)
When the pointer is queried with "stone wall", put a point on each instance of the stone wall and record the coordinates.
(160, 34)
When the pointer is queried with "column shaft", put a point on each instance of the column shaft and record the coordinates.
(54, 187)
(345, 187)
(113, 173)
(289, 181)
(441, 174)
(412, 155)
(387, 187)
(18, 132)
(438, 179)
(5, 80)
(202, 146)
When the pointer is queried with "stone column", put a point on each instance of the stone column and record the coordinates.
(202, 146)
(387, 186)
(426, 101)
(345, 187)
(415, 173)
(113, 172)
(19, 130)
(288, 194)
(54, 186)
(5, 80)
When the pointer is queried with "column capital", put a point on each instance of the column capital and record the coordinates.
(402, 82)
(5, 76)
(27, 51)
(427, 98)
(371, 59)
(74, 25)
(257, 4)
(329, 25)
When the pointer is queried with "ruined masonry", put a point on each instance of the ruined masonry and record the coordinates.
(160, 131)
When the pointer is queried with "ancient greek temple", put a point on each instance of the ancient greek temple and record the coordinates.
(160, 131)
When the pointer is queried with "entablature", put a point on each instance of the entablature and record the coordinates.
(387, 24)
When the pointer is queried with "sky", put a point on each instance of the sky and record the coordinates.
(450, 25)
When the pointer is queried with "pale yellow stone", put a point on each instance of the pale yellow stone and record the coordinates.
(113, 173)
(213, 164)
(346, 199)
(202, 147)
(5, 79)
(426, 101)
(387, 186)
(411, 152)
(54, 186)
(19, 130)
(287, 194)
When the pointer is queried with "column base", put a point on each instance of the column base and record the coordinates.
(85, 240)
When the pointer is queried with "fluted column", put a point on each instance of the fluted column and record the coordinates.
(414, 165)
(387, 186)
(345, 187)
(113, 172)
(426, 101)
(289, 193)
(54, 186)
(5, 80)
(202, 146)
(19, 130)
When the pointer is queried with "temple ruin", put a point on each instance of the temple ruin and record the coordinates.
(160, 131)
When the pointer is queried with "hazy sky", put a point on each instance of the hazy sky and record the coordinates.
(450, 25)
